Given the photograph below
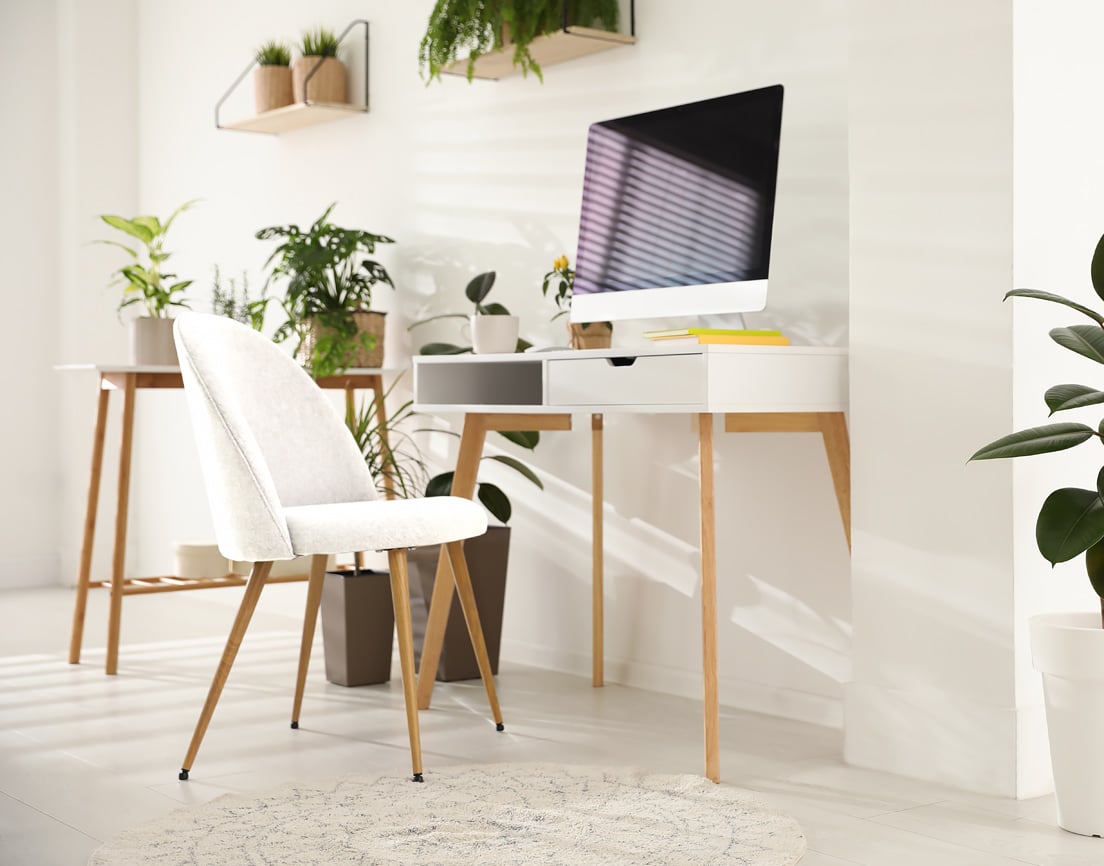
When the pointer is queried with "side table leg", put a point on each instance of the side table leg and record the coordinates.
(837, 445)
(709, 598)
(118, 567)
(79, 608)
(597, 497)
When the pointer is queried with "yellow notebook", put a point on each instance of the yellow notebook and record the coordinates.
(731, 340)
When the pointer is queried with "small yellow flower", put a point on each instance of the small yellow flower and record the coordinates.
(560, 264)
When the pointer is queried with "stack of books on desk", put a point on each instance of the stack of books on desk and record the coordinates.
(736, 336)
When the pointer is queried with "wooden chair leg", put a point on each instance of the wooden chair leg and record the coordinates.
(310, 620)
(475, 629)
(253, 588)
(400, 599)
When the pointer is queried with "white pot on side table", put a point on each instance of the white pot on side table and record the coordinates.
(1068, 650)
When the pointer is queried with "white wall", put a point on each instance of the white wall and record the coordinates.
(487, 176)
(29, 439)
(931, 381)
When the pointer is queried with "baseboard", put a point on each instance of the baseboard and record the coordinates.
(733, 693)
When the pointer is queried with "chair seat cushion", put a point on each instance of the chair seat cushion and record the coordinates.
(347, 527)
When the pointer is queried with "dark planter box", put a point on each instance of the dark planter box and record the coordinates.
(358, 620)
(358, 627)
(487, 557)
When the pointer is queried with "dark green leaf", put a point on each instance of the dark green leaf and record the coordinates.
(1070, 522)
(1097, 268)
(477, 289)
(522, 345)
(1062, 397)
(495, 501)
(443, 349)
(516, 464)
(493, 309)
(1036, 440)
(440, 485)
(525, 438)
(1057, 299)
(1085, 340)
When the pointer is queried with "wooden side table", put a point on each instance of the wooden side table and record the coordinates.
(129, 379)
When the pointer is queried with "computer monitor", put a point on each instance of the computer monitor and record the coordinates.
(677, 212)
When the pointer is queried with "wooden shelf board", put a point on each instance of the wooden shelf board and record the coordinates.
(295, 116)
(547, 50)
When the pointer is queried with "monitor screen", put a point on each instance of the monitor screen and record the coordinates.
(678, 207)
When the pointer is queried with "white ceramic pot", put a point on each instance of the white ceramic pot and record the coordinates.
(493, 335)
(1068, 650)
(151, 342)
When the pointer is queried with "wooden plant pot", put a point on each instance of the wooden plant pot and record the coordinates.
(271, 88)
(368, 322)
(151, 342)
(593, 335)
(487, 557)
(358, 627)
(327, 84)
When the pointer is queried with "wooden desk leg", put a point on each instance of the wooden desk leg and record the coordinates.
(310, 619)
(837, 444)
(381, 421)
(709, 598)
(597, 497)
(118, 566)
(90, 510)
(463, 484)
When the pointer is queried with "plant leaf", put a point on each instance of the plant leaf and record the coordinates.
(1062, 397)
(1057, 299)
(1097, 268)
(131, 228)
(1094, 565)
(1035, 440)
(525, 438)
(440, 485)
(516, 464)
(443, 349)
(1085, 340)
(495, 501)
(478, 287)
(1070, 522)
(493, 309)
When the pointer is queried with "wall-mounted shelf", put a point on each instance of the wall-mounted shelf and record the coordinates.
(299, 114)
(558, 47)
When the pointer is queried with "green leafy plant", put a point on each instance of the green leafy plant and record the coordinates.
(143, 280)
(475, 27)
(319, 42)
(476, 292)
(329, 279)
(273, 53)
(235, 303)
(1071, 520)
(561, 280)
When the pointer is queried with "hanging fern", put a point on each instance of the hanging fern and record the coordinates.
(476, 27)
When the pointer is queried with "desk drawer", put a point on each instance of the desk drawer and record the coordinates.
(645, 380)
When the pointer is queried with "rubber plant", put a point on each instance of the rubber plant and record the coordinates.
(472, 28)
(1071, 520)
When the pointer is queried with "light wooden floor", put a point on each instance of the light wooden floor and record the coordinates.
(83, 756)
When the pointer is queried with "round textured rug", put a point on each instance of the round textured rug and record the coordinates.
(491, 815)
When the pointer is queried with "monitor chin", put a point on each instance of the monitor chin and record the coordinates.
(711, 299)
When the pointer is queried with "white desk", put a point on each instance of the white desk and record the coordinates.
(779, 389)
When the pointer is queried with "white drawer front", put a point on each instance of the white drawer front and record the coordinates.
(646, 380)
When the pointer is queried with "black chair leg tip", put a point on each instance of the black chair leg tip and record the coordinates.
(183, 776)
(295, 726)
(417, 778)
(500, 727)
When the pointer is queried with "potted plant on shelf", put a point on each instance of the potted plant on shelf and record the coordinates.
(488, 336)
(319, 63)
(329, 294)
(146, 285)
(272, 77)
(1068, 648)
(582, 335)
(459, 28)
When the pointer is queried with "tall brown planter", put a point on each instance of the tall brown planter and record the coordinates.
(487, 557)
(327, 84)
(271, 88)
(358, 627)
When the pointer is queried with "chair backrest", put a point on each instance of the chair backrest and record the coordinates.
(268, 438)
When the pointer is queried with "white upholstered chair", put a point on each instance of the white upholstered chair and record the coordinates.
(285, 478)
